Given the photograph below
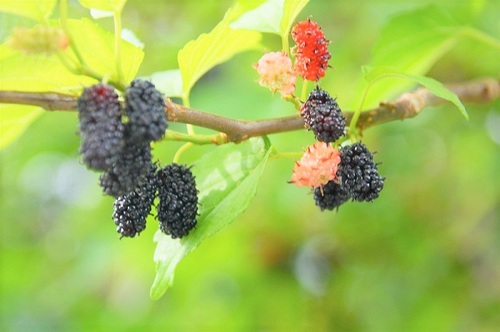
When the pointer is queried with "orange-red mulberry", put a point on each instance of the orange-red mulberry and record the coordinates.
(311, 50)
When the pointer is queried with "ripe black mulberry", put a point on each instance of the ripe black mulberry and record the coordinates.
(145, 108)
(131, 210)
(330, 196)
(358, 173)
(128, 170)
(178, 200)
(323, 116)
(100, 126)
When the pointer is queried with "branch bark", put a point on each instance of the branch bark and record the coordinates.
(408, 105)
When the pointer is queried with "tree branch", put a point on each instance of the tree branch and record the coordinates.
(408, 105)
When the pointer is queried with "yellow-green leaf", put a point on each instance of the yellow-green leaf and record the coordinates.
(265, 18)
(106, 5)
(291, 10)
(97, 48)
(38, 73)
(375, 74)
(412, 42)
(210, 49)
(38, 10)
(168, 82)
(227, 179)
(14, 120)
(31, 73)
(46, 73)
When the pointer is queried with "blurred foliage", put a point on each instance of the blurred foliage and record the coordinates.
(424, 256)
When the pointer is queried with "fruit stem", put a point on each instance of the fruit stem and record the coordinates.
(198, 139)
(181, 150)
(286, 155)
(481, 37)
(117, 16)
(284, 43)
(66, 63)
(357, 112)
(63, 14)
(186, 103)
(303, 94)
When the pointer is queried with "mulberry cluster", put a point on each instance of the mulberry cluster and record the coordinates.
(178, 200)
(100, 126)
(357, 179)
(311, 52)
(323, 116)
(335, 176)
(117, 142)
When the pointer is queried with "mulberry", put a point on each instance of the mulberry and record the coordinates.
(145, 108)
(330, 196)
(311, 52)
(323, 116)
(38, 40)
(100, 126)
(358, 173)
(317, 166)
(178, 200)
(276, 73)
(131, 210)
(128, 170)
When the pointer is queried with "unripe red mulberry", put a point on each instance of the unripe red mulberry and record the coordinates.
(311, 52)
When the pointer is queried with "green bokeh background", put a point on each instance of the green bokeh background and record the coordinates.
(425, 256)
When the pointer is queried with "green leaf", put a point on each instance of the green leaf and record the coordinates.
(105, 5)
(227, 180)
(14, 120)
(264, 18)
(412, 42)
(31, 73)
(372, 75)
(213, 48)
(100, 57)
(291, 10)
(168, 82)
(46, 73)
(242, 6)
(38, 10)
(38, 73)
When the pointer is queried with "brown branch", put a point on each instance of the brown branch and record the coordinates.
(408, 105)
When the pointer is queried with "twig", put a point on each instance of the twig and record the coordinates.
(408, 105)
